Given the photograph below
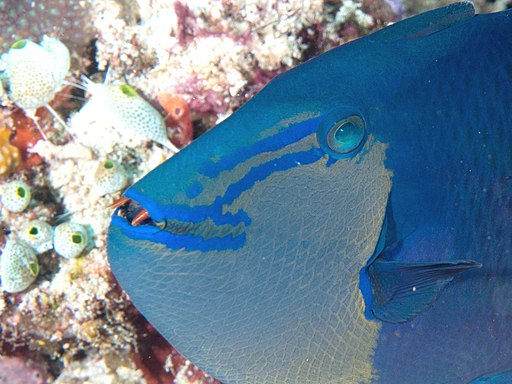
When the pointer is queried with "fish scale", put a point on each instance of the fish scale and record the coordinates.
(370, 189)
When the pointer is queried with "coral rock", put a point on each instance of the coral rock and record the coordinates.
(18, 370)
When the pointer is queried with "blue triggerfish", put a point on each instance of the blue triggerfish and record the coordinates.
(351, 223)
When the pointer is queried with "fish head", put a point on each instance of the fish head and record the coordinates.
(250, 262)
(266, 216)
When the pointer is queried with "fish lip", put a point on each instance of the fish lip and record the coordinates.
(155, 212)
(181, 226)
(130, 230)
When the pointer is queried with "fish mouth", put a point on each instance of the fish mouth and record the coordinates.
(198, 232)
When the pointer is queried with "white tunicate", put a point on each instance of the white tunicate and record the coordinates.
(19, 266)
(69, 239)
(128, 110)
(15, 196)
(38, 235)
(110, 177)
(60, 54)
(35, 72)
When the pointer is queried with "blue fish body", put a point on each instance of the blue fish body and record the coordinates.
(349, 224)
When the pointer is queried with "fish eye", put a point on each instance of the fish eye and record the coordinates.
(19, 44)
(346, 135)
(341, 137)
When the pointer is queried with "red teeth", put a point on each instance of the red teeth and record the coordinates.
(140, 217)
(119, 202)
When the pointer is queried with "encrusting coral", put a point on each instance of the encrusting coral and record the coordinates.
(9, 155)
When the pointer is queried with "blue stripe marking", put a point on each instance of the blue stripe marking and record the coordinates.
(196, 214)
(261, 172)
(214, 211)
(272, 143)
(172, 241)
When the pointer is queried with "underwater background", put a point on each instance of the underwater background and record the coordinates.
(185, 66)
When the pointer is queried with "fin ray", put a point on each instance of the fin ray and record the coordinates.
(402, 290)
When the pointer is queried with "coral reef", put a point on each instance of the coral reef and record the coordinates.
(217, 54)
(190, 64)
(413, 7)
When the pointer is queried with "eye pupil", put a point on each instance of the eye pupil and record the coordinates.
(343, 131)
(346, 135)
(33, 231)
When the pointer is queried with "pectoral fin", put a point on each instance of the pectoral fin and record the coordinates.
(402, 290)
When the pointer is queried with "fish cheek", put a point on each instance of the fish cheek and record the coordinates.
(312, 229)
(290, 291)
